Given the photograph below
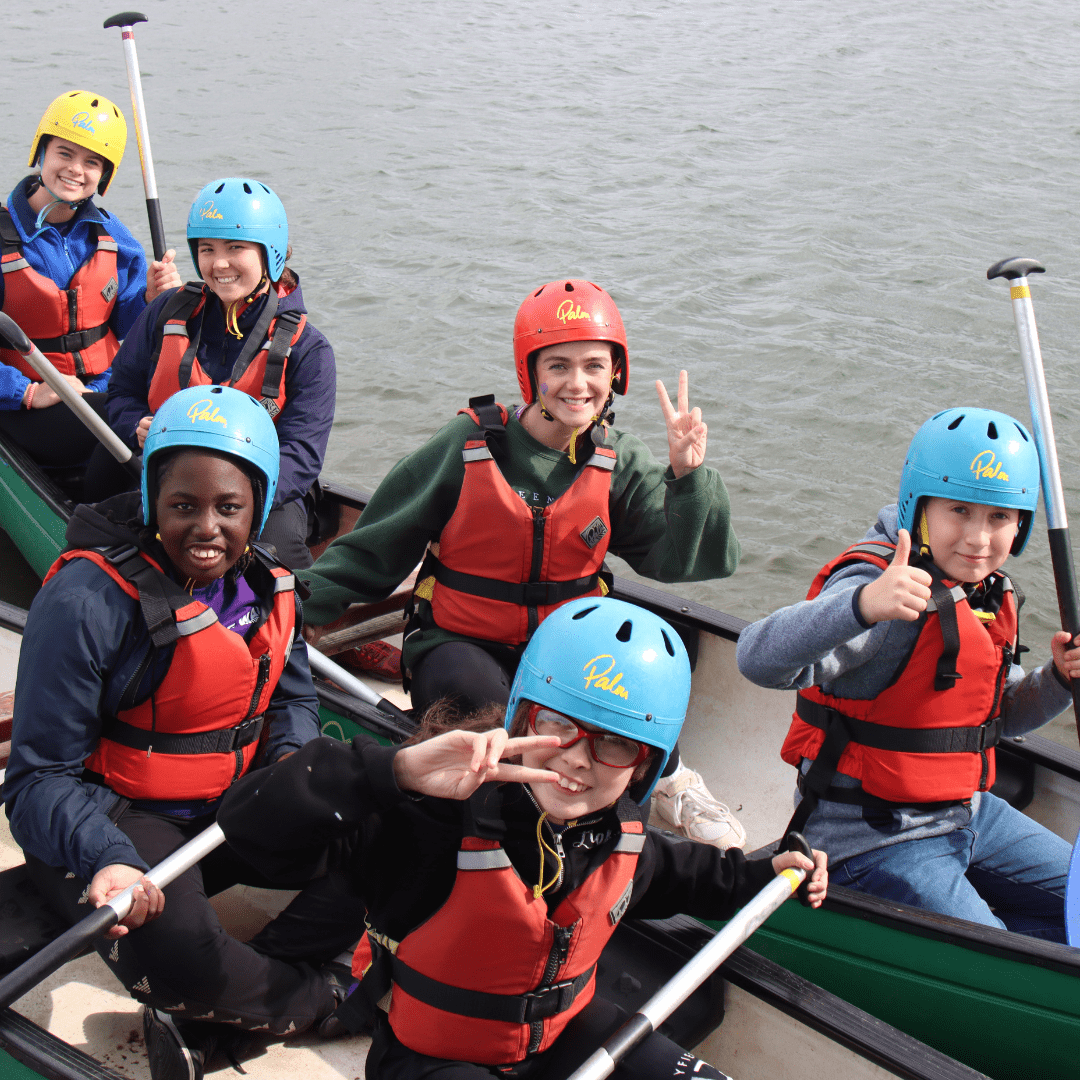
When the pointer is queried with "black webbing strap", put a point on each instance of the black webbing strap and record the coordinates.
(946, 675)
(254, 341)
(181, 305)
(10, 240)
(280, 347)
(222, 741)
(80, 339)
(539, 1004)
(945, 740)
(491, 420)
(159, 597)
(858, 797)
(524, 594)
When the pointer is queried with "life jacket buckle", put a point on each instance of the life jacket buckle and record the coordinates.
(534, 593)
(548, 1001)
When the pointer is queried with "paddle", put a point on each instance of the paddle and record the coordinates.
(126, 21)
(677, 989)
(72, 942)
(328, 669)
(12, 334)
(1016, 271)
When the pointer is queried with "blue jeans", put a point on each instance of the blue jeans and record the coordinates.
(1002, 869)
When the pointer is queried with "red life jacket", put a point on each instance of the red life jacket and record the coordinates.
(259, 369)
(512, 994)
(199, 730)
(501, 567)
(70, 326)
(927, 737)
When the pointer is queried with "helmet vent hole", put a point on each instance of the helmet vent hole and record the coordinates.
(219, 189)
(991, 430)
(215, 390)
(584, 611)
(247, 187)
(1023, 433)
(265, 188)
(94, 103)
(667, 643)
(624, 631)
(539, 291)
(957, 422)
(569, 286)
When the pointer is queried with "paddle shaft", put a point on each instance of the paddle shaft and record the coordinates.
(674, 992)
(12, 333)
(72, 942)
(328, 669)
(126, 21)
(1016, 272)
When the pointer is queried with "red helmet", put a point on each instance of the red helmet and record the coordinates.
(565, 310)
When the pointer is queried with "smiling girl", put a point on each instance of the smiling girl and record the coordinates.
(243, 325)
(906, 666)
(492, 886)
(73, 278)
(514, 513)
(161, 661)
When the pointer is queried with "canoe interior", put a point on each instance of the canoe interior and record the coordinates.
(915, 971)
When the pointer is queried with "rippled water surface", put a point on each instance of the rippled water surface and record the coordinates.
(795, 201)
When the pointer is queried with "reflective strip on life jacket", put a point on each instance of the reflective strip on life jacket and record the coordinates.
(71, 325)
(502, 567)
(258, 371)
(925, 738)
(535, 972)
(199, 729)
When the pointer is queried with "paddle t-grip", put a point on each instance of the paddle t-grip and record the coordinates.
(125, 18)
(1014, 268)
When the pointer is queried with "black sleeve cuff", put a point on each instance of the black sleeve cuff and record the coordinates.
(855, 607)
(1067, 683)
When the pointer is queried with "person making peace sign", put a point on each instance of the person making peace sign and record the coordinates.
(516, 512)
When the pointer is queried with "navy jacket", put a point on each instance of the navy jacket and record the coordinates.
(84, 640)
(303, 427)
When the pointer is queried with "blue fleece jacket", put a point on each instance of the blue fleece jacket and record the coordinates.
(85, 639)
(303, 427)
(57, 253)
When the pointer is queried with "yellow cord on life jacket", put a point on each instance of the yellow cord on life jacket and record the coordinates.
(540, 887)
(238, 307)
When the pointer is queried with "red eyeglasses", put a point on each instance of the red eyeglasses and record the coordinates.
(614, 750)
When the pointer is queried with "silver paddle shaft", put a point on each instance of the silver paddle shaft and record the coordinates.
(674, 992)
(138, 106)
(183, 858)
(1038, 403)
(13, 334)
(328, 669)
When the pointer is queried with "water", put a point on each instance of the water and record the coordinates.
(796, 202)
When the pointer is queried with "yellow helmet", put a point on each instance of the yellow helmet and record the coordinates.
(88, 120)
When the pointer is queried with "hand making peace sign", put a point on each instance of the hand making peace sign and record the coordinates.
(686, 434)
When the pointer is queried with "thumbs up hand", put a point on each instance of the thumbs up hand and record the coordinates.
(902, 591)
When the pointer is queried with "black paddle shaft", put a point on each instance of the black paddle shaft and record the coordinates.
(57, 953)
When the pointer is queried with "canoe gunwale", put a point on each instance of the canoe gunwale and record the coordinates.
(46, 1054)
(953, 931)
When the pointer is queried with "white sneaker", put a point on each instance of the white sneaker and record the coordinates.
(684, 805)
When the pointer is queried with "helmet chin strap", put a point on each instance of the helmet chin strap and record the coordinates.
(924, 536)
(39, 223)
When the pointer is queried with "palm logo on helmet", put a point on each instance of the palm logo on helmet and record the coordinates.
(215, 418)
(614, 665)
(237, 208)
(976, 456)
(567, 310)
(88, 120)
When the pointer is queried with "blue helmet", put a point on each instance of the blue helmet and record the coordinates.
(611, 664)
(215, 418)
(976, 456)
(240, 209)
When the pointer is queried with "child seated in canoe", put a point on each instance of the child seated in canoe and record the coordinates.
(243, 324)
(905, 666)
(74, 278)
(486, 883)
(516, 511)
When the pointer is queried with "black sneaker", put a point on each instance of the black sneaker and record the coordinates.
(178, 1050)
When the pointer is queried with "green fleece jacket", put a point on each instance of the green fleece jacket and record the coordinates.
(666, 529)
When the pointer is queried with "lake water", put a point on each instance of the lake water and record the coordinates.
(795, 201)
